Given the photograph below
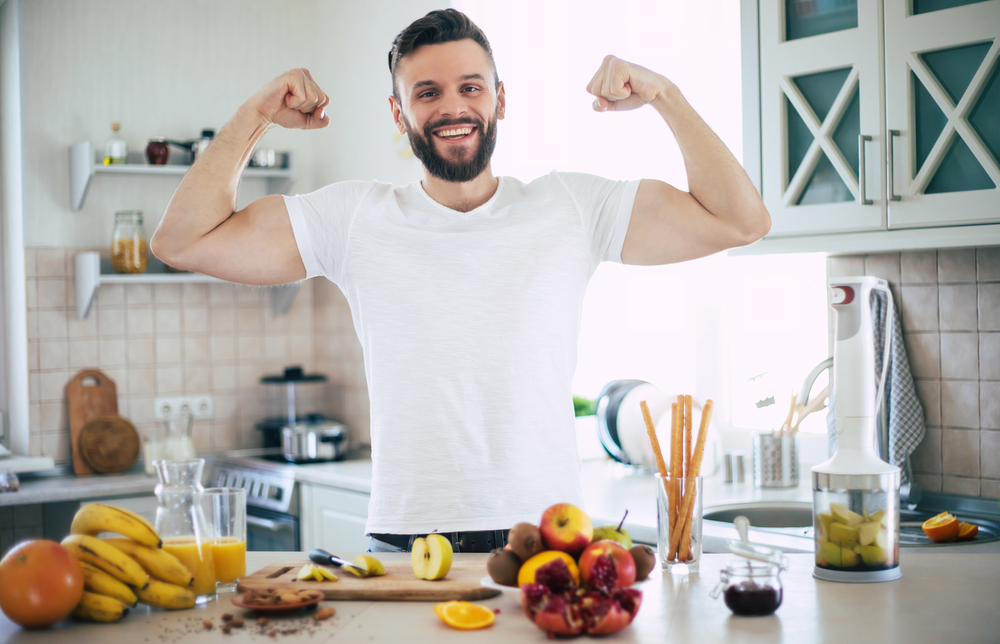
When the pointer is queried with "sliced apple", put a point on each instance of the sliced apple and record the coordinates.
(370, 566)
(325, 574)
(849, 558)
(825, 519)
(867, 532)
(876, 517)
(830, 554)
(431, 557)
(873, 556)
(882, 539)
(306, 573)
(842, 515)
(843, 535)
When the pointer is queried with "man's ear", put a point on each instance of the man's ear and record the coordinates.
(397, 114)
(501, 101)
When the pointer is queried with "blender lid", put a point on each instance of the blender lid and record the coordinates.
(293, 374)
(756, 552)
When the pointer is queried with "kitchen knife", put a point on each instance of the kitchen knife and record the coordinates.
(321, 556)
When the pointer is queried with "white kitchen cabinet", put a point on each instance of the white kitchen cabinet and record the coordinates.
(873, 124)
(333, 519)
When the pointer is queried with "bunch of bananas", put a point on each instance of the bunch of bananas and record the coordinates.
(118, 573)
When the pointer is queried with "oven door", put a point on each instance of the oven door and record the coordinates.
(271, 531)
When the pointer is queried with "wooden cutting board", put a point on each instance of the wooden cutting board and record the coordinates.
(109, 444)
(398, 584)
(91, 393)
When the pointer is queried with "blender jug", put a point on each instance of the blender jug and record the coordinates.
(855, 493)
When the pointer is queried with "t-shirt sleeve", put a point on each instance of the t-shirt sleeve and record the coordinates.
(605, 209)
(321, 222)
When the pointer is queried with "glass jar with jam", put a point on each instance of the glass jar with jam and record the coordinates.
(752, 585)
(128, 243)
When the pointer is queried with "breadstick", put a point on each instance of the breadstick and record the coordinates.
(673, 502)
(651, 431)
(687, 506)
(688, 403)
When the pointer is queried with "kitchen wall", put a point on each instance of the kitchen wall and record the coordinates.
(950, 303)
(171, 69)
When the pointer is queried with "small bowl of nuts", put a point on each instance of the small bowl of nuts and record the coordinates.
(278, 599)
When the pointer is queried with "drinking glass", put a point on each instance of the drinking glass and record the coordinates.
(678, 516)
(226, 510)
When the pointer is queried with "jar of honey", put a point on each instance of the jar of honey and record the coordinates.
(128, 243)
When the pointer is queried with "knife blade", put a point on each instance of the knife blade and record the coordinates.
(321, 556)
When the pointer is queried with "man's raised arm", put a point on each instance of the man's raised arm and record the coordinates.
(201, 229)
(722, 208)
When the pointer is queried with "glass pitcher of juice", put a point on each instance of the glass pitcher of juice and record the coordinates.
(180, 520)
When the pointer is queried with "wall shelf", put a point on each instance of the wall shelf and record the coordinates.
(90, 274)
(83, 165)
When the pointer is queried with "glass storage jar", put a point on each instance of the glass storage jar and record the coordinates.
(128, 243)
(750, 588)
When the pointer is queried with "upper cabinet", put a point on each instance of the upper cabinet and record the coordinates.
(876, 122)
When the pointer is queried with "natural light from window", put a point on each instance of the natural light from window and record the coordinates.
(703, 327)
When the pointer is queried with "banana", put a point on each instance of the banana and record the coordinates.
(108, 558)
(96, 518)
(164, 595)
(97, 581)
(99, 608)
(160, 564)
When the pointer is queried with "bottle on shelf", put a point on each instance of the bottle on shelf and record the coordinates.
(128, 243)
(115, 148)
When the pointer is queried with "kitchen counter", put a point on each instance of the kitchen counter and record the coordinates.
(74, 488)
(940, 596)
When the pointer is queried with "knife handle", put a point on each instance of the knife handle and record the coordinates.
(321, 556)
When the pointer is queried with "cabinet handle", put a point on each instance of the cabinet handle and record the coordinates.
(266, 524)
(888, 152)
(861, 170)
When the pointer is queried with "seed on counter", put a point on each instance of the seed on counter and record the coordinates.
(324, 613)
(236, 622)
(207, 623)
(262, 621)
(226, 629)
(226, 617)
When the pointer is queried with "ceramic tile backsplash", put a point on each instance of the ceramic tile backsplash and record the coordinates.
(950, 304)
(174, 339)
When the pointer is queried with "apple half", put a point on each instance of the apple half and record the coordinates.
(431, 557)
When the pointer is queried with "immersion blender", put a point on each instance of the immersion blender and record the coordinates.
(855, 493)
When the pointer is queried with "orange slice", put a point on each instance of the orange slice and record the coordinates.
(526, 575)
(967, 531)
(464, 615)
(943, 527)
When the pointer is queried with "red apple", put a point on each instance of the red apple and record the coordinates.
(567, 528)
(607, 565)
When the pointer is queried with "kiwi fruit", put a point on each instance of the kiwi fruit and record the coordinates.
(525, 539)
(503, 566)
(645, 559)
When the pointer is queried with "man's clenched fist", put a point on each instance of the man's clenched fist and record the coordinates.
(293, 100)
(620, 85)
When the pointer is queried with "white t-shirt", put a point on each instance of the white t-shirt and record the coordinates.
(469, 324)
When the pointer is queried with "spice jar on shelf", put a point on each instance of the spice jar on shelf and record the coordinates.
(128, 243)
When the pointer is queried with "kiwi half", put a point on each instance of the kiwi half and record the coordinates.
(503, 566)
(525, 539)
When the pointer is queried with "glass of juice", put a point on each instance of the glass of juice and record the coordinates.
(226, 510)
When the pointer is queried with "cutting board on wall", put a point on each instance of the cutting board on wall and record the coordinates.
(398, 584)
(91, 393)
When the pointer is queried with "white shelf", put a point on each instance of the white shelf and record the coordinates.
(88, 277)
(83, 165)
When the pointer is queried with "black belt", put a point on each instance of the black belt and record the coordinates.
(481, 541)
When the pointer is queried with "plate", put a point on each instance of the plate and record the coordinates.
(274, 608)
(511, 591)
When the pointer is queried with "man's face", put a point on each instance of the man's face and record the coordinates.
(449, 107)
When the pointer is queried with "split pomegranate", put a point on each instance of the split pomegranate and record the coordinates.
(583, 610)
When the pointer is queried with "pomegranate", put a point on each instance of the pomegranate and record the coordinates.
(571, 612)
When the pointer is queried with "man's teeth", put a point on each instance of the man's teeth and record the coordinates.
(456, 133)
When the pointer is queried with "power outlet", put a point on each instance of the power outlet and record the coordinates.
(169, 408)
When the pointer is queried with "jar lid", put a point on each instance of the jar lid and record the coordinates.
(757, 552)
(157, 139)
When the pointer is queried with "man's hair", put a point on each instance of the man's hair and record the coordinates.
(440, 26)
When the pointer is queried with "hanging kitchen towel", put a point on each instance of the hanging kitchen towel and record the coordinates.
(905, 414)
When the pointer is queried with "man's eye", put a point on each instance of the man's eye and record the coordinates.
(426, 94)
(470, 89)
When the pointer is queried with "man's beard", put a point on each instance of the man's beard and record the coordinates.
(445, 169)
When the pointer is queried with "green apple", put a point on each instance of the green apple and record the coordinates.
(842, 515)
(849, 558)
(843, 535)
(830, 554)
(612, 533)
(867, 532)
(431, 557)
(825, 520)
(873, 556)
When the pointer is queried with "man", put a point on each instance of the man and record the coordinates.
(465, 288)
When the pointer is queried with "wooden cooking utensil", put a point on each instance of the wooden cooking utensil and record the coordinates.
(813, 405)
(89, 394)
(109, 444)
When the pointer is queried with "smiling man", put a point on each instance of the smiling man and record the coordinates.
(465, 288)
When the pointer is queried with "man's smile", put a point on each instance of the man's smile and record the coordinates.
(455, 132)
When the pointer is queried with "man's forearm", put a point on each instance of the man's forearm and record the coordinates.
(206, 196)
(715, 178)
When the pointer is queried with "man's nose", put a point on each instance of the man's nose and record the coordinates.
(452, 105)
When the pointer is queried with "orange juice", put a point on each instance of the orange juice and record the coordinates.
(230, 556)
(197, 557)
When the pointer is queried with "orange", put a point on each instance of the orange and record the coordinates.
(943, 527)
(526, 575)
(967, 531)
(464, 615)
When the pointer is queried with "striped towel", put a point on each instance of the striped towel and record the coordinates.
(904, 412)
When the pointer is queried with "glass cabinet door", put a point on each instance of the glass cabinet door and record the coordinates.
(943, 111)
(821, 144)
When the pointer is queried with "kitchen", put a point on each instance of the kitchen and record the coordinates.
(136, 333)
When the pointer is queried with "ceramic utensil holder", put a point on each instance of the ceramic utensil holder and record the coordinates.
(775, 461)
